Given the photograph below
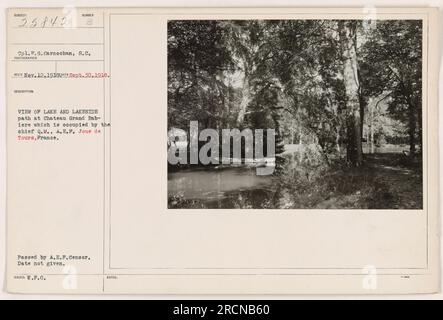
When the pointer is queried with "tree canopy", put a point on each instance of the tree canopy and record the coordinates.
(336, 83)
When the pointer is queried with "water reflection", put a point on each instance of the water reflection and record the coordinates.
(218, 187)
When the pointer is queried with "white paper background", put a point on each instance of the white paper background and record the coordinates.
(184, 3)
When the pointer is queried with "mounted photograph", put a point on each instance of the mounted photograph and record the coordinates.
(295, 114)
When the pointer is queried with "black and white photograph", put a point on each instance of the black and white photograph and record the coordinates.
(295, 114)
(210, 150)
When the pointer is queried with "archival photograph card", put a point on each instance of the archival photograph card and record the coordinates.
(222, 150)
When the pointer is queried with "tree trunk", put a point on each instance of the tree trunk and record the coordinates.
(362, 102)
(246, 94)
(279, 143)
(420, 128)
(372, 129)
(244, 102)
(412, 128)
(337, 143)
(347, 33)
(354, 145)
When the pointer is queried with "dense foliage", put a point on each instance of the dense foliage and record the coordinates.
(337, 84)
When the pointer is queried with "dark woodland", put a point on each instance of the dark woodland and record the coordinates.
(343, 96)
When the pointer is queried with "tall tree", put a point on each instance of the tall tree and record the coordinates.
(394, 57)
(197, 60)
(348, 42)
